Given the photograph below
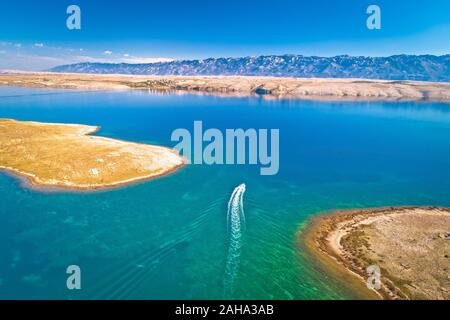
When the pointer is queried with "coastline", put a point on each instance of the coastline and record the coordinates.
(32, 180)
(29, 181)
(328, 263)
(242, 86)
(323, 239)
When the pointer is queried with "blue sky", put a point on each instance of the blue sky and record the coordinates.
(34, 35)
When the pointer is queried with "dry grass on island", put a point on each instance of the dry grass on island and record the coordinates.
(66, 156)
(411, 245)
(268, 87)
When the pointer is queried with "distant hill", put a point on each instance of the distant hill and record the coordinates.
(399, 67)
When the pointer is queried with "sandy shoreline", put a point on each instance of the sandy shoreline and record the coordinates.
(243, 86)
(30, 182)
(57, 157)
(409, 244)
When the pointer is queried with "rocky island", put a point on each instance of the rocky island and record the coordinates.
(67, 156)
(242, 86)
(410, 245)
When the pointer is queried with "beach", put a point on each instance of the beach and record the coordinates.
(410, 245)
(67, 156)
(242, 86)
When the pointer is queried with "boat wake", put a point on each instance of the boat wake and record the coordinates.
(236, 223)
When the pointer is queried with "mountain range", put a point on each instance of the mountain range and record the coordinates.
(398, 67)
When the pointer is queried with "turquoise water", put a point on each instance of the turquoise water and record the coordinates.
(168, 238)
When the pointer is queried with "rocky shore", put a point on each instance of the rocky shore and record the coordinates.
(267, 87)
(410, 245)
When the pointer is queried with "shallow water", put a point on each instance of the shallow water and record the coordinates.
(168, 238)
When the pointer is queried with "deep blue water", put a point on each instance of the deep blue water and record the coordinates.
(168, 238)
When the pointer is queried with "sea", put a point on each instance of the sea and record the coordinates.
(213, 231)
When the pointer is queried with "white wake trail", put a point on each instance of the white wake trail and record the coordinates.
(236, 223)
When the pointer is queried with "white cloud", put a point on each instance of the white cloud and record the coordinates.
(29, 62)
(15, 55)
(77, 59)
